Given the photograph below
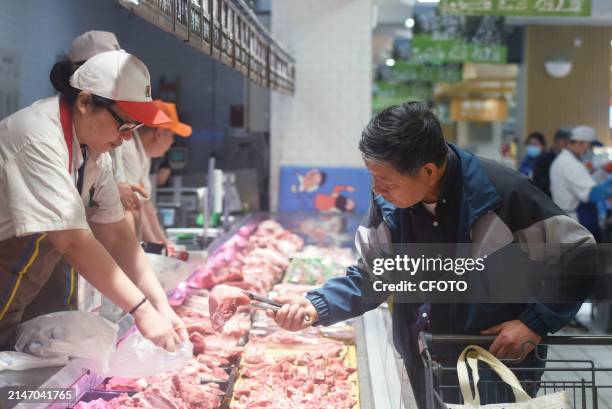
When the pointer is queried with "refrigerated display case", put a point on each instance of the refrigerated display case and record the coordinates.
(381, 380)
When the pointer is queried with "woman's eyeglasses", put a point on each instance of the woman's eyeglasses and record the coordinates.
(124, 126)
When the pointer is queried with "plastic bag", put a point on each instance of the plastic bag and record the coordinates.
(71, 334)
(18, 361)
(92, 342)
(137, 357)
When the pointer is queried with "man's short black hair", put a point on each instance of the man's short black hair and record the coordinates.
(406, 136)
(562, 134)
(536, 135)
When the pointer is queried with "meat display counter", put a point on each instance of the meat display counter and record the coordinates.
(355, 360)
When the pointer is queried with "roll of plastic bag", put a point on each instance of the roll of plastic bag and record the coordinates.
(19, 361)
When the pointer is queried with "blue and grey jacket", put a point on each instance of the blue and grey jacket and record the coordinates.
(498, 206)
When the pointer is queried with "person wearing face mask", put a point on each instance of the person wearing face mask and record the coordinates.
(534, 146)
(58, 196)
(541, 167)
(428, 191)
(572, 187)
(149, 142)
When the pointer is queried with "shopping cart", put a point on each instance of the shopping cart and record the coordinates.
(587, 385)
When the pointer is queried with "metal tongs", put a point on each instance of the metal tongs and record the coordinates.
(263, 302)
(266, 303)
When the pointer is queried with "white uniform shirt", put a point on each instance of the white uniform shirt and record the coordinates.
(570, 182)
(37, 191)
(118, 171)
(136, 163)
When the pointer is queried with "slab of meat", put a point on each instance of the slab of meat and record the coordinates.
(254, 352)
(224, 301)
(202, 279)
(157, 399)
(306, 341)
(202, 329)
(186, 312)
(238, 326)
(196, 372)
(211, 360)
(219, 342)
(196, 396)
(210, 277)
(199, 343)
(232, 354)
(118, 383)
(197, 303)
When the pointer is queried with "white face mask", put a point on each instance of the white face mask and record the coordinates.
(587, 156)
(533, 151)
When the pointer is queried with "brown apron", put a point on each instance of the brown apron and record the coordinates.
(25, 266)
(27, 263)
(60, 293)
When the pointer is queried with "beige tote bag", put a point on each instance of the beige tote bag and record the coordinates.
(470, 357)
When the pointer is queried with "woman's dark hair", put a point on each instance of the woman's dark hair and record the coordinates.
(536, 135)
(60, 79)
(406, 136)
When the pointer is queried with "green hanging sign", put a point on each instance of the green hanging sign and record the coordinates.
(569, 8)
(387, 93)
(428, 50)
(406, 72)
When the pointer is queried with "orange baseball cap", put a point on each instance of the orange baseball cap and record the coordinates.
(174, 125)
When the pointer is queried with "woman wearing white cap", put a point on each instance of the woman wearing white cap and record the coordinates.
(82, 49)
(57, 198)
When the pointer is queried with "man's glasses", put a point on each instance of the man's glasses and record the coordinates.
(124, 126)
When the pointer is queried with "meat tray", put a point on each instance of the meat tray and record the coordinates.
(107, 395)
(350, 360)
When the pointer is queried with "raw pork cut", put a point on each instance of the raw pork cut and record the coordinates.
(223, 303)
(118, 383)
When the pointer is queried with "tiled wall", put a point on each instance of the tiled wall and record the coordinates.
(321, 124)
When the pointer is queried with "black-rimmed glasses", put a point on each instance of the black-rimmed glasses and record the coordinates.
(124, 126)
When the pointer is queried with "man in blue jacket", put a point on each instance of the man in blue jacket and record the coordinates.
(426, 190)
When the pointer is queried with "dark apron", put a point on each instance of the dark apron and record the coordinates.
(26, 264)
(60, 292)
(33, 282)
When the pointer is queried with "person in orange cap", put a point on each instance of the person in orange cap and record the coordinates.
(149, 142)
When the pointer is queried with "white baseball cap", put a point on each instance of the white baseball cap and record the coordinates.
(91, 43)
(123, 78)
(584, 133)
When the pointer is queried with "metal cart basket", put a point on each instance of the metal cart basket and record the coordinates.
(587, 385)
